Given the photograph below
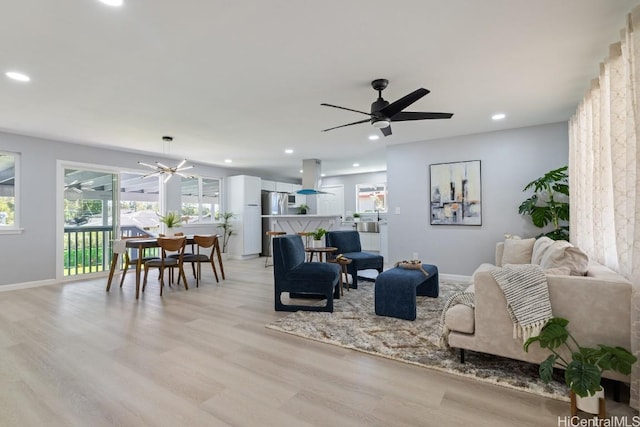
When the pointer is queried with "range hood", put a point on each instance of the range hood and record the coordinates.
(311, 177)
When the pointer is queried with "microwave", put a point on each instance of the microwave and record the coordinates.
(291, 199)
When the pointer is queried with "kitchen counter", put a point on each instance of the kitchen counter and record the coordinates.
(292, 224)
(302, 216)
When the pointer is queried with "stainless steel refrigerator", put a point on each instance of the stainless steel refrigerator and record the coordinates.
(273, 203)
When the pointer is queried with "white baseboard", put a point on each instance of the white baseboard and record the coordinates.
(26, 285)
(455, 278)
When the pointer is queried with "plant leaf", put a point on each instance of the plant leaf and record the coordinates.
(582, 377)
(546, 368)
(552, 335)
(615, 359)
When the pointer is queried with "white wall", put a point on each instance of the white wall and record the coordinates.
(509, 160)
(31, 255)
(350, 182)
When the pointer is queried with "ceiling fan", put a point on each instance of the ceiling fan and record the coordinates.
(382, 113)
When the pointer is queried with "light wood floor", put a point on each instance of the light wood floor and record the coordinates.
(74, 355)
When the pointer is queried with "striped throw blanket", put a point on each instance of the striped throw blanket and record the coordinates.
(527, 294)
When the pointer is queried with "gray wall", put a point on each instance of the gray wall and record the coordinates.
(30, 256)
(509, 160)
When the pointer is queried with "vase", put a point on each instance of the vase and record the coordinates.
(590, 404)
(318, 243)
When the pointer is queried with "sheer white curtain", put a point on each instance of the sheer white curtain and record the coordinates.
(604, 160)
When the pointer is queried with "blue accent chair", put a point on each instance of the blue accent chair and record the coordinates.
(348, 244)
(302, 279)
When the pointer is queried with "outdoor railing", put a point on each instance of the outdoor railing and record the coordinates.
(88, 249)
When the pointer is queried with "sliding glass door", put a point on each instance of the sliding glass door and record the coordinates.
(89, 220)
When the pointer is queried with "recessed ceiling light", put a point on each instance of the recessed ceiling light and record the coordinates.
(374, 137)
(355, 165)
(114, 3)
(301, 171)
(228, 160)
(498, 116)
(323, 175)
(14, 75)
(288, 151)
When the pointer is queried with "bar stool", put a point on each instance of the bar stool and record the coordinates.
(305, 235)
(271, 235)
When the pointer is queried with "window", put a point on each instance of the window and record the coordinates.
(200, 199)
(9, 219)
(371, 198)
(139, 204)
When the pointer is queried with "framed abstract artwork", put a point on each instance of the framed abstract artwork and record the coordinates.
(456, 193)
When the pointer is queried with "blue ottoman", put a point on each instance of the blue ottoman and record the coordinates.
(396, 290)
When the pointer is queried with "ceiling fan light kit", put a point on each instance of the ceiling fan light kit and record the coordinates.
(383, 113)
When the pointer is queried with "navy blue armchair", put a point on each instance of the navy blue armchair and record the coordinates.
(302, 279)
(348, 244)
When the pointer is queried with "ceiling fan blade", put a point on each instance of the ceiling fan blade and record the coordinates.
(345, 108)
(348, 124)
(386, 131)
(411, 115)
(402, 103)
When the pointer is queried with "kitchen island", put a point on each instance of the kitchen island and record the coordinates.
(292, 224)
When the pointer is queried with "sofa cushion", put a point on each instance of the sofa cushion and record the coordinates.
(460, 318)
(540, 248)
(563, 254)
(517, 251)
(558, 271)
(600, 271)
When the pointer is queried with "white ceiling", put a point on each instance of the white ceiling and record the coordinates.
(244, 79)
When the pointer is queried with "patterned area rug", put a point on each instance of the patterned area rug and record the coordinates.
(354, 325)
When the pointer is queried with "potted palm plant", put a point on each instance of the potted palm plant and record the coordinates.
(583, 365)
(226, 226)
(302, 209)
(171, 220)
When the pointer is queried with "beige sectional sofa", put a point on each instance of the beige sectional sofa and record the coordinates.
(597, 304)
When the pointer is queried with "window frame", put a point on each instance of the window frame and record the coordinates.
(200, 219)
(17, 200)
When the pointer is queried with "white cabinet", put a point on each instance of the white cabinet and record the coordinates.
(268, 185)
(284, 187)
(370, 241)
(243, 199)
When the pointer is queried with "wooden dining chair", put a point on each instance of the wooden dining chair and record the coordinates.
(130, 261)
(168, 246)
(205, 251)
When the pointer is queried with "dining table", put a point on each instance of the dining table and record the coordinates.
(152, 242)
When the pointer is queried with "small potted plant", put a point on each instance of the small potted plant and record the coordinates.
(171, 220)
(317, 235)
(583, 365)
(302, 209)
(356, 216)
(226, 226)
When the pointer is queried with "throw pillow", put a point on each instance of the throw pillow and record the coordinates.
(539, 248)
(563, 254)
(517, 251)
